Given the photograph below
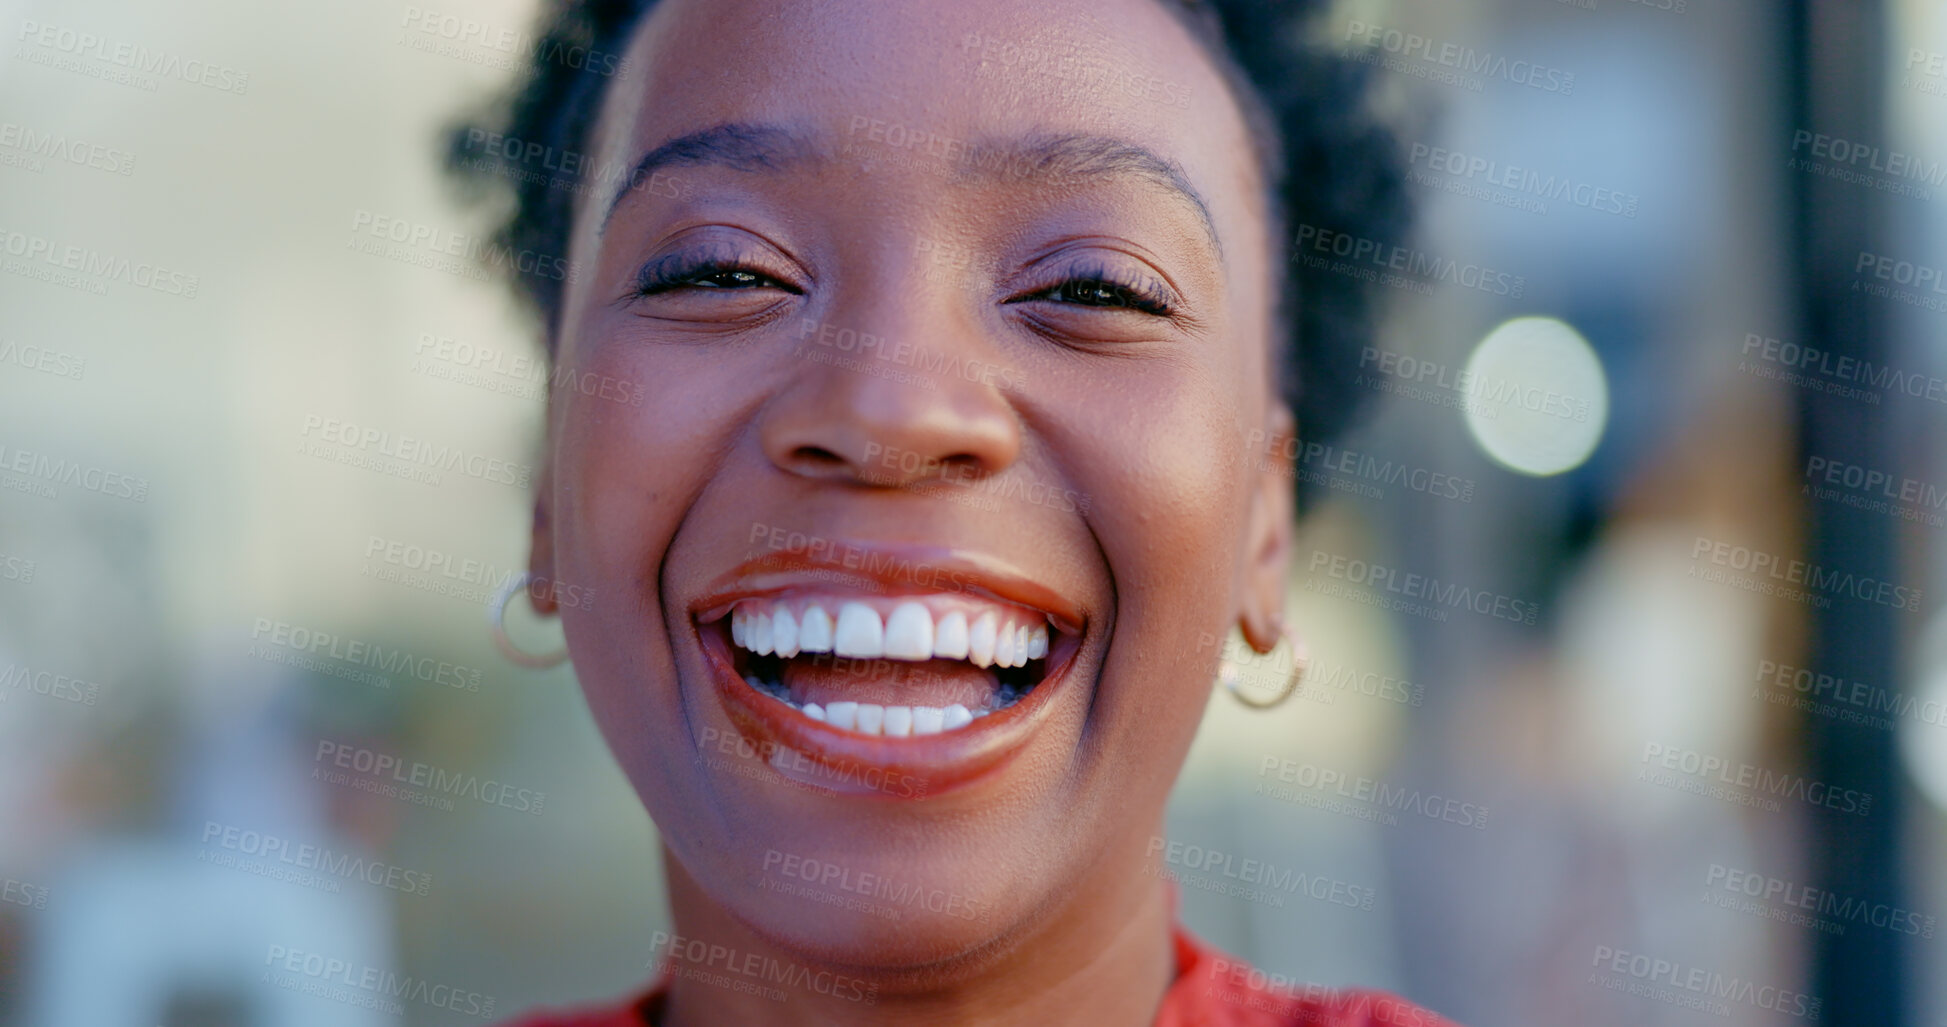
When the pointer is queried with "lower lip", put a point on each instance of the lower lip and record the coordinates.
(914, 767)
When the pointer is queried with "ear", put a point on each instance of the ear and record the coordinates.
(541, 590)
(1268, 546)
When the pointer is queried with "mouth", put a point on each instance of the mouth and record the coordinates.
(837, 677)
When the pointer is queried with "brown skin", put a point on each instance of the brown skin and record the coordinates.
(1187, 531)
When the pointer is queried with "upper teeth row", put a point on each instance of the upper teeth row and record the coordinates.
(908, 634)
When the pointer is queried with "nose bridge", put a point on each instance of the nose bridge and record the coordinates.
(878, 392)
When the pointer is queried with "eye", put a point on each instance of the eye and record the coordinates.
(1100, 287)
(684, 272)
(1099, 292)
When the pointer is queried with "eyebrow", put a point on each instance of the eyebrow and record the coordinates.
(736, 145)
(764, 148)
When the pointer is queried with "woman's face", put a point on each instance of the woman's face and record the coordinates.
(950, 325)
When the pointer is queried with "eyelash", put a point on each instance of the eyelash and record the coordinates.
(682, 270)
(1144, 297)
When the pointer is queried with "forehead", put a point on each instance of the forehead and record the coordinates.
(922, 82)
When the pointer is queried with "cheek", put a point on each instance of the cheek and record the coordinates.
(628, 459)
(625, 468)
(1170, 500)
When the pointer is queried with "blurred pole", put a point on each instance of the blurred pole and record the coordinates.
(1838, 60)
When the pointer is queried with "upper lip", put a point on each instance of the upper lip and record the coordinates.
(888, 570)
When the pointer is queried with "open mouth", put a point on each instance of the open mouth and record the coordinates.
(845, 678)
(894, 667)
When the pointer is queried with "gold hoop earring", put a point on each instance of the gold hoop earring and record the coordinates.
(497, 626)
(1232, 675)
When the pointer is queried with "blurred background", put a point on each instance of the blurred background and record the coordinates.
(1629, 693)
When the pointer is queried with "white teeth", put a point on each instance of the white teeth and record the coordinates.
(950, 638)
(909, 633)
(1004, 646)
(980, 639)
(815, 631)
(842, 714)
(859, 632)
(872, 717)
(760, 634)
(784, 633)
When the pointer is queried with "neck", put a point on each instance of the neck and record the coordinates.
(1103, 956)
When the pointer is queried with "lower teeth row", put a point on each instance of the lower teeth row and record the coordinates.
(896, 721)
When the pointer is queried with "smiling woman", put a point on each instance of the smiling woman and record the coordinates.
(874, 627)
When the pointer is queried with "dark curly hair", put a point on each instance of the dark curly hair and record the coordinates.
(1329, 162)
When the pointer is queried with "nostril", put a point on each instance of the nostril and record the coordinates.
(817, 460)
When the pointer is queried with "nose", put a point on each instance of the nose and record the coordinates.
(891, 409)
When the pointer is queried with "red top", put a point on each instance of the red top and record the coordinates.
(1211, 990)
